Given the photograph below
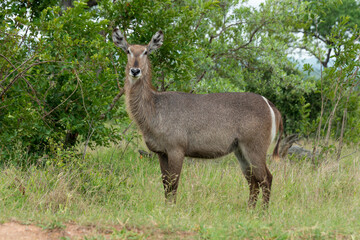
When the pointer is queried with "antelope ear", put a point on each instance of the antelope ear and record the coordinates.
(156, 41)
(119, 40)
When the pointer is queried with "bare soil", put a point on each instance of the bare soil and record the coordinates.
(17, 231)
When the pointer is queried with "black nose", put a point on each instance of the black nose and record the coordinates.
(135, 71)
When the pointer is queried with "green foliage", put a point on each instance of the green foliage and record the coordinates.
(60, 73)
(63, 80)
(331, 35)
(304, 110)
(340, 81)
(326, 15)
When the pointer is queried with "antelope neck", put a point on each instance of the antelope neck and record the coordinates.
(140, 101)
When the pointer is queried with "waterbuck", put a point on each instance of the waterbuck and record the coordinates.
(175, 125)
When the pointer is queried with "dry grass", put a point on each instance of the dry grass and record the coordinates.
(320, 202)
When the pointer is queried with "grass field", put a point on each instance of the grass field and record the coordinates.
(121, 193)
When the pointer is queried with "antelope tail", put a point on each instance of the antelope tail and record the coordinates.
(276, 155)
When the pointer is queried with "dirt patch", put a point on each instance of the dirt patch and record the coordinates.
(17, 231)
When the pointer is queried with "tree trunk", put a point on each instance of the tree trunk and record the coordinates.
(70, 139)
(67, 4)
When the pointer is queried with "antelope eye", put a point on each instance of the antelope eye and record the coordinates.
(128, 52)
(145, 53)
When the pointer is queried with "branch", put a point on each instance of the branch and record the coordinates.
(5, 106)
(223, 29)
(198, 80)
(325, 63)
(35, 98)
(112, 105)
(200, 19)
(62, 101)
(92, 3)
(162, 79)
(82, 92)
(116, 73)
(9, 63)
(35, 95)
(252, 35)
(318, 57)
(168, 85)
(19, 75)
(91, 129)
(16, 68)
(314, 35)
(23, 38)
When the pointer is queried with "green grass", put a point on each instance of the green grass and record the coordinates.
(109, 191)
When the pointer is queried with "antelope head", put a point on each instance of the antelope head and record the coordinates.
(137, 55)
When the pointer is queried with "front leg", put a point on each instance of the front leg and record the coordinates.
(171, 165)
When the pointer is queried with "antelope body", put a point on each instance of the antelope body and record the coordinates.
(177, 125)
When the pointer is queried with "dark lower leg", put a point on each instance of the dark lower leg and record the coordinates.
(170, 169)
(170, 183)
(254, 191)
(266, 188)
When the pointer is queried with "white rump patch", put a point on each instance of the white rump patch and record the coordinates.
(273, 121)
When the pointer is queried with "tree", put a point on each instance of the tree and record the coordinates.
(52, 79)
(331, 35)
(61, 76)
(324, 17)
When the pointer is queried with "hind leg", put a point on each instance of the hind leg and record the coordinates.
(266, 187)
(253, 183)
(254, 190)
(253, 166)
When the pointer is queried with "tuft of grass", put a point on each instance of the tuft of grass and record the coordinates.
(53, 225)
(119, 190)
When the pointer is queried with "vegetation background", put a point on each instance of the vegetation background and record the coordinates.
(69, 152)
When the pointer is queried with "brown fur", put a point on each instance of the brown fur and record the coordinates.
(177, 125)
